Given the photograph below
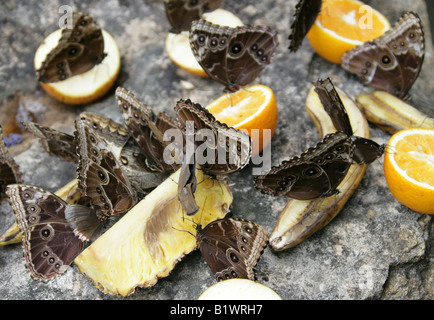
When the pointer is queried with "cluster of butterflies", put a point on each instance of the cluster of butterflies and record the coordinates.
(117, 165)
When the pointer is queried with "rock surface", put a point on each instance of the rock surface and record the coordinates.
(374, 249)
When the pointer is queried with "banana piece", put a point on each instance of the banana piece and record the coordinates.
(300, 219)
(390, 113)
(69, 192)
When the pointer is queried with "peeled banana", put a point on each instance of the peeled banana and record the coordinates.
(390, 113)
(301, 219)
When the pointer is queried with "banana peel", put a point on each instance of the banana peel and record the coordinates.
(300, 219)
(69, 192)
(390, 113)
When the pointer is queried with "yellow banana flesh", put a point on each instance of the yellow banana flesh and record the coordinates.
(390, 113)
(300, 219)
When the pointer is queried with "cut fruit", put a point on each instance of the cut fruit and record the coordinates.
(239, 289)
(69, 192)
(253, 108)
(342, 25)
(409, 168)
(302, 218)
(88, 86)
(390, 113)
(178, 45)
(148, 241)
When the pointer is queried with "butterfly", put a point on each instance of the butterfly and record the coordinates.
(148, 130)
(49, 242)
(217, 148)
(79, 50)
(393, 61)
(232, 56)
(9, 170)
(314, 174)
(54, 142)
(101, 179)
(365, 150)
(232, 247)
(306, 12)
(181, 13)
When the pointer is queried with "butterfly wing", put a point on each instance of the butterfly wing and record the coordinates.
(306, 12)
(181, 13)
(316, 173)
(187, 184)
(141, 122)
(393, 61)
(100, 174)
(55, 142)
(232, 247)
(232, 56)
(219, 149)
(333, 105)
(79, 50)
(9, 171)
(49, 243)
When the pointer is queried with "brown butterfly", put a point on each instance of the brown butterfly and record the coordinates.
(306, 12)
(9, 171)
(232, 247)
(181, 13)
(232, 56)
(79, 50)
(49, 242)
(393, 61)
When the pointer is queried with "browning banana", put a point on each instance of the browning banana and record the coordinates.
(300, 219)
(390, 113)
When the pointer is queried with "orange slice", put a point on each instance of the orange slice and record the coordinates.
(252, 108)
(178, 45)
(409, 168)
(342, 25)
(88, 86)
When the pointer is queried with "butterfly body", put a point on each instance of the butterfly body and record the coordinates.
(314, 174)
(79, 50)
(232, 56)
(232, 247)
(365, 150)
(49, 242)
(393, 61)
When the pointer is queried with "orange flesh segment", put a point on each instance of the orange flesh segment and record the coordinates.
(415, 155)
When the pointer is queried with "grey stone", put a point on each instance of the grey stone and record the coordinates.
(374, 249)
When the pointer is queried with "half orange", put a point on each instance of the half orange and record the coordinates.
(252, 108)
(409, 168)
(342, 25)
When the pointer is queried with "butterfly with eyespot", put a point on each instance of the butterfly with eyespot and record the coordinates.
(233, 57)
(49, 242)
(306, 12)
(365, 150)
(393, 61)
(314, 174)
(181, 13)
(148, 129)
(79, 50)
(101, 179)
(232, 247)
(54, 142)
(9, 170)
(217, 148)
